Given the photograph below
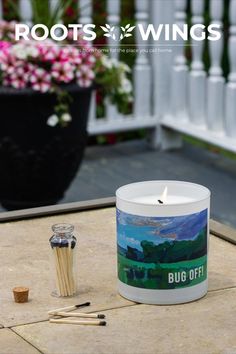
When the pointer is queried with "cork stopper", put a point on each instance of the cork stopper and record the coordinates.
(21, 294)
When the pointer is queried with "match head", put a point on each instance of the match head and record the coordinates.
(102, 323)
(82, 305)
(58, 242)
(73, 242)
(101, 316)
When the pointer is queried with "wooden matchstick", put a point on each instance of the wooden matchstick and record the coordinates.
(64, 261)
(78, 322)
(69, 308)
(69, 263)
(78, 314)
(64, 270)
(60, 281)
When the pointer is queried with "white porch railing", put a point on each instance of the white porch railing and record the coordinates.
(171, 98)
(203, 104)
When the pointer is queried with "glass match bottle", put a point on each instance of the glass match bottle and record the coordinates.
(64, 256)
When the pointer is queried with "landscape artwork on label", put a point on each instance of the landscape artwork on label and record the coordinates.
(162, 252)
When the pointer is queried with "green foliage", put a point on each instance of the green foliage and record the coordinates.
(10, 10)
(171, 251)
(131, 253)
(150, 268)
(62, 106)
(127, 16)
(110, 76)
(175, 251)
(41, 12)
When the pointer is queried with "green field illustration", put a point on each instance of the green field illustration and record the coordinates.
(155, 276)
(162, 253)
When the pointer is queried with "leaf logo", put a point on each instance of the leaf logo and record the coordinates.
(126, 31)
(110, 32)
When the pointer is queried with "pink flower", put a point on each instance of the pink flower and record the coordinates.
(7, 30)
(88, 59)
(83, 82)
(4, 45)
(6, 81)
(9, 67)
(49, 51)
(91, 59)
(63, 72)
(18, 78)
(84, 76)
(9, 63)
(40, 80)
(70, 54)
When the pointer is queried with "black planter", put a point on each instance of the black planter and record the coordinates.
(38, 162)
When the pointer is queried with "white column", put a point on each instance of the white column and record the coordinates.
(216, 81)
(162, 65)
(85, 16)
(25, 11)
(85, 11)
(142, 70)
(180, 69)
(53, 4)
(197, 78)
(161, 12)
(231, 85)
(113, 10)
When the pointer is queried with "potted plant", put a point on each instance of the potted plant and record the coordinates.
(45, 91)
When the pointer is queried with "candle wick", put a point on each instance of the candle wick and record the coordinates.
(160, 201)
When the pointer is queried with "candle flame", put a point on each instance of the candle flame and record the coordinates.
(164, 195)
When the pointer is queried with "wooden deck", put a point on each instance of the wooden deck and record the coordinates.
(105, 168)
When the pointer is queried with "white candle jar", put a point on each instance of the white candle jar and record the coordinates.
(162, 245)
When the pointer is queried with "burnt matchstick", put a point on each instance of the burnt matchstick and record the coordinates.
(78, 322)
(69, 308)
(78, 314)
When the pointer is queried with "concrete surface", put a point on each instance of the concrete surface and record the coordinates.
(202, 327)
(25, 258)
(11, 343)
(206, 326)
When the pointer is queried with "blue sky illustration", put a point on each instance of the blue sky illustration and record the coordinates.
(132, 229)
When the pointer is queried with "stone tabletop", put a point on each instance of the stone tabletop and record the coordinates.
(204, 326)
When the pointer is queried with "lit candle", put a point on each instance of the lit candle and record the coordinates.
(165, 198)
(162, 237)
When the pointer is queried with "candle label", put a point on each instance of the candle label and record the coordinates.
(162, 252)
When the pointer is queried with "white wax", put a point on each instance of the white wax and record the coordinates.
(171, 199)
